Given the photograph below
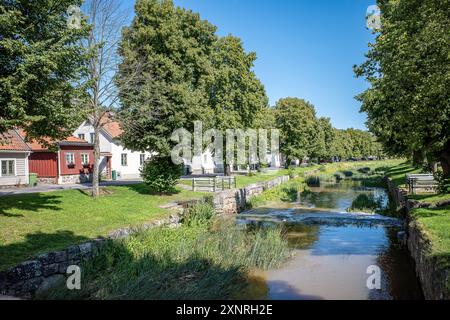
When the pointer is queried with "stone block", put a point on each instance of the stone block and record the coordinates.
(50, 269)
(26, 270)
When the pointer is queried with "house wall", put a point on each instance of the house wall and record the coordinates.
(21, 171)
(131, 170)
(45, 164)
(109, 145)
(86, 128)
(78, 168)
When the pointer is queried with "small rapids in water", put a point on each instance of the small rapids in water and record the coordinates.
(337, 255)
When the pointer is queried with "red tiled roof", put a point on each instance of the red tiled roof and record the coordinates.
(12, 141)
(36, 146)
(111, 127)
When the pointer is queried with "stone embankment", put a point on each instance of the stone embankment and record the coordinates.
(432, 275)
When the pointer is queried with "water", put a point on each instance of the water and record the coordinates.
(333, 250)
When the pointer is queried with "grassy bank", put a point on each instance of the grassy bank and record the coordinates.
(35, 223)
(203, 261)
(435, 224)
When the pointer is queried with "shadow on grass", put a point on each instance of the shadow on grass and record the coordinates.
(145, 190)
(29, 202)
(118, 274)
(400, 170)
(432, 212)
(34, 244)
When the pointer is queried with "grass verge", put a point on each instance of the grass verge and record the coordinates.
(35, 223)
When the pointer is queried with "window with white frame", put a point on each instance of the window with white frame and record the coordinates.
(81, 136)
(70, 159)
(85, 158)
(92, 137)
(8, 168)
(124, 160)
(142, 159)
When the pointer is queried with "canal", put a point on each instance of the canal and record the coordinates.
(336, 254)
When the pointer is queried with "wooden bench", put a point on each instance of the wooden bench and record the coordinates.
(421, 182)
(213, 184)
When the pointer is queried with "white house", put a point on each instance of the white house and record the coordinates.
(14, 154)
(114, 157)
(205, 163)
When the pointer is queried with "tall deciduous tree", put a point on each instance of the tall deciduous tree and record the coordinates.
(408, 67)
(296, 119)
(170, 92)
(41, 61)
(236, 95)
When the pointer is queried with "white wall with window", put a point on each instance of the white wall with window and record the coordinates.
(127, 163)
(14, 168)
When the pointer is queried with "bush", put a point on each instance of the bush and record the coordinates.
(443, 183)
(365, 203)
(291, 172)
(313, 181)
(365, 170)
(198, 214)
(347, 173)
(161, 175)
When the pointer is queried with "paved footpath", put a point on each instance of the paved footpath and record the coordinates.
(56, 187)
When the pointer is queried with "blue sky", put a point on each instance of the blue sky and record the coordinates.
(305, 48)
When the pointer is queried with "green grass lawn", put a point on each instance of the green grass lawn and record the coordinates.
(435, 223)
(35, 223)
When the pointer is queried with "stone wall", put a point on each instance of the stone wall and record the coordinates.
(45, 270)
(47, 180)
(234, 201)
(75, 178)
(432, 275)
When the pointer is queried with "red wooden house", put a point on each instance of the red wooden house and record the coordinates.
(71, 161)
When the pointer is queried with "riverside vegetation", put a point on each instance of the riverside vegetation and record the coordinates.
(205, 258)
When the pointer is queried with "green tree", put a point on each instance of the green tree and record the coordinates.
(326, 137)
(171, 48)
(236, 95)
(41, 61)
(408, 67)
(296, 119)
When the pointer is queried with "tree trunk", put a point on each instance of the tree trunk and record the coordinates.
(96, 171)
(227, 170)
(445, 161)
(418, 158)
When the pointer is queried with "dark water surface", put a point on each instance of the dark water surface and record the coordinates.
(333, 250)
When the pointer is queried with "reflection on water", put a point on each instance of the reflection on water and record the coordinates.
(333, 250)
